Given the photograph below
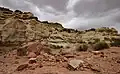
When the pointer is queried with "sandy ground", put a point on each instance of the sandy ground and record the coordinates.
(106, 62)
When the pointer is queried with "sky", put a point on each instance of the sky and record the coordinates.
(77, 14)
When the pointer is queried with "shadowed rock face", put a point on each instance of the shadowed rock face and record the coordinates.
(2, 9)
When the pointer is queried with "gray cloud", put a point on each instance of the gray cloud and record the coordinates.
(80, 14)
(57, 4)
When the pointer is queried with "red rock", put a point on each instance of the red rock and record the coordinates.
(69, 56)
(21, 51)
(33, 66)
(32, 55)
(22, 67)
(94, 68)
(40, 58)
(97, 52)
(74, 64)
(38, 48)
(32, 60)
(35, 47)
(16, 62)
(118, 61)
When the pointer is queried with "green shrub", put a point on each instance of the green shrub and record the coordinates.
(82, 47)
(81, 32)
(93, 41)
(97, 40)
(101, 45)
(107, 39)
(115, 39)
(107, 30)
(115, 43)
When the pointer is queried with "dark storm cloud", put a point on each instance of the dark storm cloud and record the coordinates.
(96, 6)
(80, 14)
(57, 4)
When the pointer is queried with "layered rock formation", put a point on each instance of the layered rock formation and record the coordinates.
(17, 27)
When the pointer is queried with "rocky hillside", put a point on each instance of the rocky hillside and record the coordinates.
(30, 46)
(18, 28)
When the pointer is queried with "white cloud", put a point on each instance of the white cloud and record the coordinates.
(71, 4)
(83, 23)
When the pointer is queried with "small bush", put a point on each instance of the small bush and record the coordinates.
(82, 47)
(101, 45)
(93, 41)
(92, 29)
(55, 46)
(107, 30)
(107, 39)
(97, 40)
(81, 32)
(115, 43)
(115, 39)
(46, 22)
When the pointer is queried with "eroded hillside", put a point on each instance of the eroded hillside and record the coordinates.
(17, 27)
(31, 46)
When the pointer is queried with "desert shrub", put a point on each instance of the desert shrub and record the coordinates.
(46, 22)
(93, 41)
(101, 29)
(107, 39)
(101, 45)
(82, 47)
(114, 30)
(97, 40)
(92, 29)
(115, 41)
(107, 30)
(69, 30)
(55, 46)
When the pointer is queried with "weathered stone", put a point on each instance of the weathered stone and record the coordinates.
(74, 64)
(69, 56)
(21, 51)
(97, 52)
(22, 67)
(118, 61)
(33, 66)
(32, 60)
(16, 62)
(37, 48)
(40, 58)
(95, 68)
(32, 55)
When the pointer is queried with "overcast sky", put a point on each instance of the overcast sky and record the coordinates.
(82, 14)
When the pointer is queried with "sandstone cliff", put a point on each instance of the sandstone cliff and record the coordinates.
(17, 27)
